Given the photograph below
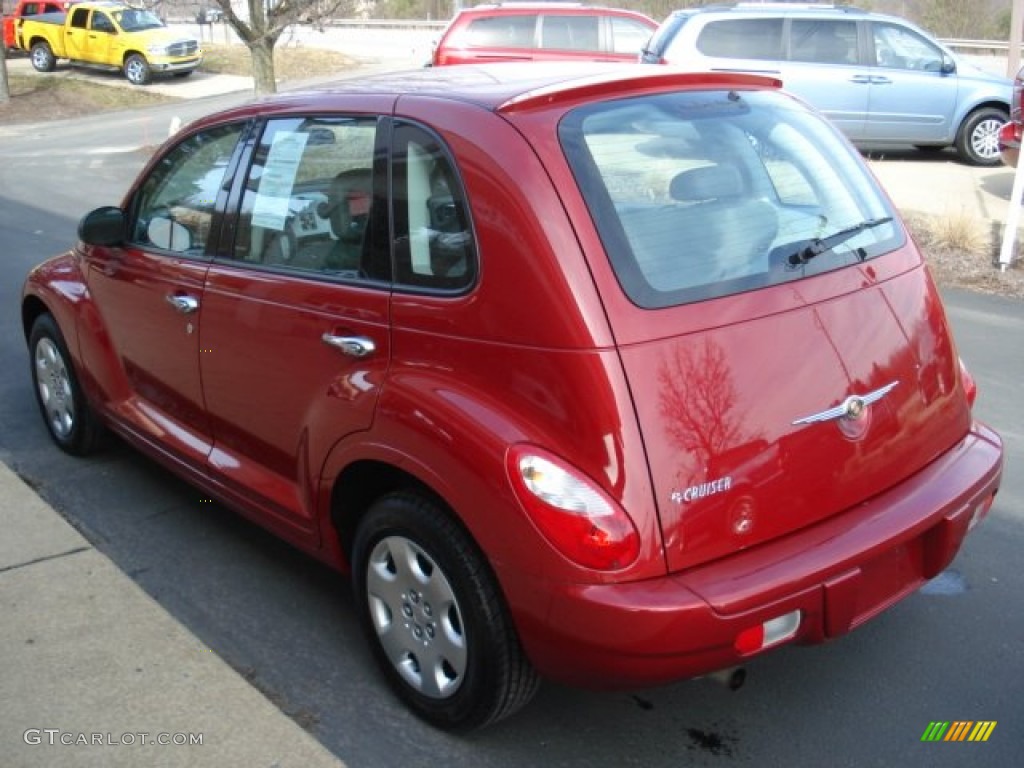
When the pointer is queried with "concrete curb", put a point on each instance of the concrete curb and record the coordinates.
(96, 673)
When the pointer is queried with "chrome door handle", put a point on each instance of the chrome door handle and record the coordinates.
(354, 346)
(183, 303)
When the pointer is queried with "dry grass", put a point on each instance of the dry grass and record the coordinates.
(290, 63)
(963, 252)
(38, 97)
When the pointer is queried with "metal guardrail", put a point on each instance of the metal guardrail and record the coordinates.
(1001, 46)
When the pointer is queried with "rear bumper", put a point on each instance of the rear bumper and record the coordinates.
(837, 574)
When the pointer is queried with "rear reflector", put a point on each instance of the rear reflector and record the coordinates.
(772, 632)
(980, 510)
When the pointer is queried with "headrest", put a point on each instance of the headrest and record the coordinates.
(706, 183)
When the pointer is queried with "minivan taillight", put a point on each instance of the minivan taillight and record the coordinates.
(579, 519)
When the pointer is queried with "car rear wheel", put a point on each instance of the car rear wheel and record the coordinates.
(435, 617)
(65, 410)
(978, 140)
(43, 59)
(137, 70)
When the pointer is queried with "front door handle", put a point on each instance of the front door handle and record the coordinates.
(354, 346)
(183, 302)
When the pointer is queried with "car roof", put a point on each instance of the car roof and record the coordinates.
(505, 87)
(495, 9)
(780, 9)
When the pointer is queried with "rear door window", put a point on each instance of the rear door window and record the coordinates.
(308, 198)
(569, 33)
(698, 195)
(823, 41)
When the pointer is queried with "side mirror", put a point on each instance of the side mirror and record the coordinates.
(104, 226)
(948, 64)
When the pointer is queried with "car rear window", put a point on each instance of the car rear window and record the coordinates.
(701, 194)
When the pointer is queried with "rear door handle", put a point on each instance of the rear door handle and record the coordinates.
(183, 302)
(353, 346)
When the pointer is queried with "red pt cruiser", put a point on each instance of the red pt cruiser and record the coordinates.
(606, 375)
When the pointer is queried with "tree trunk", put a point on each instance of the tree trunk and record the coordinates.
(5, 88)
(263, 66)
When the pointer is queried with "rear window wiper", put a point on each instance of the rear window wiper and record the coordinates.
(821, 245)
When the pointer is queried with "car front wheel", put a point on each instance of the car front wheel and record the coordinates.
(435, 617)
(137, 70)
(65, 410)
(978, 140)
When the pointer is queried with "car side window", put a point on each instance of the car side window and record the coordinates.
(308, 198)
(897, 47)
(569, 33)
(823, 41)
(434, 245)
(101, 22)
(742, 39)
(174, 208)
(80, 18)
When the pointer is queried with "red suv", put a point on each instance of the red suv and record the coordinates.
(543, 32)
(606, 374)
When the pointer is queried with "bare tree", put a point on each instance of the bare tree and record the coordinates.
(5, 88)
(267, 20)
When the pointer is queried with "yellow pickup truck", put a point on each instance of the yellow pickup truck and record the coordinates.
(110, 36)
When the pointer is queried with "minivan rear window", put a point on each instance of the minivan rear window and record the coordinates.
(702, 194)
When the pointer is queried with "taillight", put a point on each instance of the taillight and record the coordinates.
(579, 519)
(970, 386)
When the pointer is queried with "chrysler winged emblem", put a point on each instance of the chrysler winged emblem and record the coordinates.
(851, 409)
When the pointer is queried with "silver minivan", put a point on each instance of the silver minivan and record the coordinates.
(880, 79)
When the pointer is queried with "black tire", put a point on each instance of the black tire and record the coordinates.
(137, 70)
(409, 557)
(72, 424)
(43, 59)
(978, 139)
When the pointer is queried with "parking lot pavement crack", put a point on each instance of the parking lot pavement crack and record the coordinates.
(16, 566)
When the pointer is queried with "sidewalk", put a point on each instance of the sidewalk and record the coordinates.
(95, 673)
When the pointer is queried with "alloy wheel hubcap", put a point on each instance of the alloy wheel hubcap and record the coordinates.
(986, 139)
(54, 385)
(417, 617)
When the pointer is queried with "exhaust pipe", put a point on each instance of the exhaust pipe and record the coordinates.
(732, 678)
